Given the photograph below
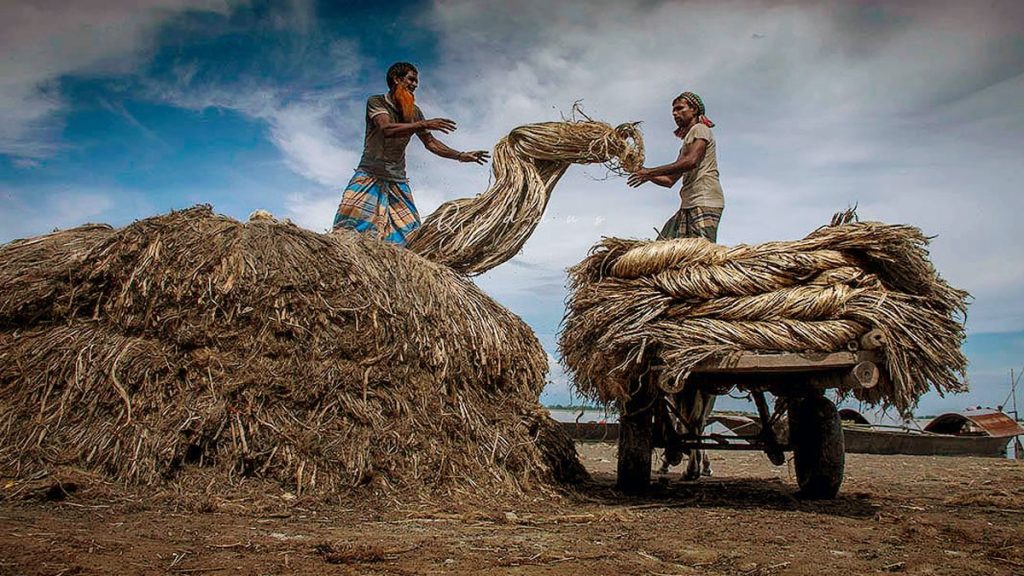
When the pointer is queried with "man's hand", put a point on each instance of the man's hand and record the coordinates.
(442, 125)
(639, 177)
(478, 156)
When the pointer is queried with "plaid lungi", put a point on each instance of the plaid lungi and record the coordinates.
(377, 206)
(696, 222)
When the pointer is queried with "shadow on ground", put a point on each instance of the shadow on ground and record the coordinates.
(727, 493)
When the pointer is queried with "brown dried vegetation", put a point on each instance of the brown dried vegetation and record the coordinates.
(473, 235)
(677, 302)
(191, 341)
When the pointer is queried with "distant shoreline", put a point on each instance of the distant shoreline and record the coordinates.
(611, 412)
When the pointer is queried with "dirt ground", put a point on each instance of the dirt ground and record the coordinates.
(895, 514)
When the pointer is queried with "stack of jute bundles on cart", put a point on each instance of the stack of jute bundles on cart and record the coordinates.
(190, 351)
(844, 285)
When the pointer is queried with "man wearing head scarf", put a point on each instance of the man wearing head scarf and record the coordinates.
(699, 212)
(378, 199)
(701, 195)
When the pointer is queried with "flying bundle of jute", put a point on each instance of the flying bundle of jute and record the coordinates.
(193, 345)
(677, 302)
(473, 235)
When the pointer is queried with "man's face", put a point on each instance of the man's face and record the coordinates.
(682, 113)
(410, 81)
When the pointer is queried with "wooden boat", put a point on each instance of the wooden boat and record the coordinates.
(972, 433)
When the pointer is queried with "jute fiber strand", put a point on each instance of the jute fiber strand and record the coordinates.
(473, 235)
(673, 303)
(331, 364)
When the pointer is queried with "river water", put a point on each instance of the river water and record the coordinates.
(591, 415)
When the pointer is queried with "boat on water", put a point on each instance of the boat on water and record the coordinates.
(970, 433)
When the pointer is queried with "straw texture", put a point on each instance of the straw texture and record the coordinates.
(329, 363)
(473, 235)
(674, 303)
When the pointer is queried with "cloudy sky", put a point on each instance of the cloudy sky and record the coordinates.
(114, 110)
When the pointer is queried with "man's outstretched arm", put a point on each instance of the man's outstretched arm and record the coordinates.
(442, 150)
(397, 129)
(666, 181)
(669, 174)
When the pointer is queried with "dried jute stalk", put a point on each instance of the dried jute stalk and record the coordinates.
(677, 302)
(473, 235)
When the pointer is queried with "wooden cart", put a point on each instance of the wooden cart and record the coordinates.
(798, 381)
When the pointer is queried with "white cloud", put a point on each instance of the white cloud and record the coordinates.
(910, 110)
(312, 210)
(306, 130)
(312, 147)
(309, 131)
(22, 162)
(49, 210)
(913, 115)
(306, 94)
(42, 41)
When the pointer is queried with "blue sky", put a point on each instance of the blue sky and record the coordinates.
(115, 110)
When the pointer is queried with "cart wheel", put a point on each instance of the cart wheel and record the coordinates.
(816, 435)
(635, 429)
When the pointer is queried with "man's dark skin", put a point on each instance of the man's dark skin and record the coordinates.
(422, 128)
(688, 159)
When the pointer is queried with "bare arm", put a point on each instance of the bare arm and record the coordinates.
(442, 150)
(666, 181)
(668, 174)
(398, 129)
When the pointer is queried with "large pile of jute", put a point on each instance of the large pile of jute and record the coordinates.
(674, 303)
(193, 342)
(473, 235)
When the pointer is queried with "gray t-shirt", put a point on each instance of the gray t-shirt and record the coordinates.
(701, 186)
(384, 157)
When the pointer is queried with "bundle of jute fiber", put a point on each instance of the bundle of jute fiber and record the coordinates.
(473, 235)
(193, 344)
(674, 303)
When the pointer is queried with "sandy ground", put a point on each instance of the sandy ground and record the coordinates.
(910, 515)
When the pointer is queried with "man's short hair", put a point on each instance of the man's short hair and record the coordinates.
(398, 70)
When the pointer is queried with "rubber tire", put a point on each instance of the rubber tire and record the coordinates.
(635, 438)
(819, 453)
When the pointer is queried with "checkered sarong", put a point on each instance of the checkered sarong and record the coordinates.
(696, 222)
(380, 207)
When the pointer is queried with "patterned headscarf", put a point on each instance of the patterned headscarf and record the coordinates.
(695, 102)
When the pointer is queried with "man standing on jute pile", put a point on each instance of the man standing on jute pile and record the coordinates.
(698, 217)
(697, 165)
(378, 199)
